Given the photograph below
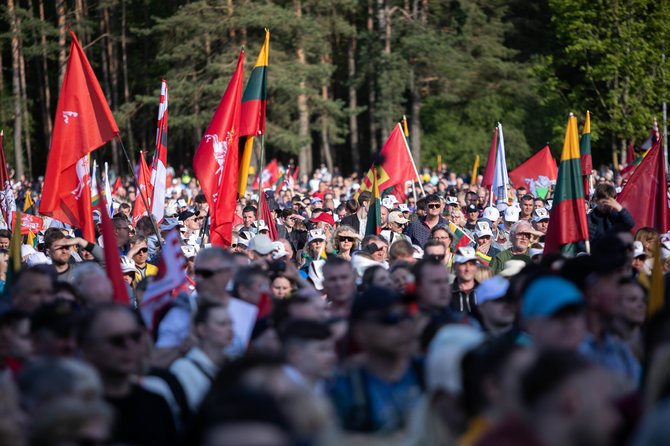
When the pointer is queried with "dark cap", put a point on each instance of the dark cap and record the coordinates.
(60, 317)
(304, 329)
(472, 208)
(183, 216)
(373, 299)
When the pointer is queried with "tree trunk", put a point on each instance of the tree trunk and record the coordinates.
(305, 156)
(104, 54)
(325, 143)
(126, 87)
(353, 104)
(372, 93)
(24, 108)
(62, 57)
(384, 35)
(16, 88)
(415, 119)
(46, 105)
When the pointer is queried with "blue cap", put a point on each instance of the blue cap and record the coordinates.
(546, 295)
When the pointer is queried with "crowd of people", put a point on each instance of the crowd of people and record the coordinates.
(450, 326)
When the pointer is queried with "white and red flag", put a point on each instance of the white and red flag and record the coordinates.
(159, 163)
(216, 161)
(83, 122)
(7, 203)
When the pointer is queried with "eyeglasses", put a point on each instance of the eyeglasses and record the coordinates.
(208, 273)
(121, 340)
(347, 239)
(523, 234)
(434, 257)
(433, 206)
(143, 250)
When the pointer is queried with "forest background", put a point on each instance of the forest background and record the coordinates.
(343, 72)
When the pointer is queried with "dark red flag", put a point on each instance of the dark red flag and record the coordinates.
(216, 161)
(630, 154)
(645, 195)
(487, 180)
(144, 183)
(542, 163)
(266, 215)
(83, 122)
(112, 257)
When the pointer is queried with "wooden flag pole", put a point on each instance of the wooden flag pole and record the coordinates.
(260, 180)
(409, 152)
(139, 189)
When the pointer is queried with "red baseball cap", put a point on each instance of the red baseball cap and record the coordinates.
(324, 217)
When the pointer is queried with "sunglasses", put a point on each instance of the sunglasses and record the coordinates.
(392, 318)
(121, 340)
(523, 234)
(434, 257)
(433, 206)
(143, 250)
(207, 273)
(347, 239)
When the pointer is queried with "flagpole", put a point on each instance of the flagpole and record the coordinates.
(139, 189)
(416, 172)
(203, 230)
(260, 179)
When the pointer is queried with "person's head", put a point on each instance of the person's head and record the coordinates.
(565, 390)
(432, 284)
(472, 213)
(212, 325)
(192, 220)
(632, 303)
(498, 312)
(603, 193)
(648, 237)
(92, 284)
(364, 201)
(59, 254)
(383, 214)
(401, 251)
(32, 287)
(249, 214)
(73, 421)
(397, 222)
(140, 258)
(345, 239)
(382, 323)
(465, 264)
(260, 248)
(540, 220)
(378, 276)
(309, 347)
(433, 206)
(457, 217)
(538, 203)
(443, 234)
(124, 208)
(435, 250)
(213, 268)
(552, 312)
(15, 335)
(53, 329)
(282, 287)
(250, 284)
(639, 256)
(110, 338)
(527, 206)
(5, 237)
(339, 280)
(520, 235)
(375, 246)
(121, 230)
(316, 243)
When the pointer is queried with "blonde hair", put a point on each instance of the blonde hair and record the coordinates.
(334, 241)
(647, 236)
(483, 272)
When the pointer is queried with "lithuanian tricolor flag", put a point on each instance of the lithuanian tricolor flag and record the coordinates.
(252, 118)
(483, 258)
(374, 224)
(460, 237)
(585, 152)
(567, 223)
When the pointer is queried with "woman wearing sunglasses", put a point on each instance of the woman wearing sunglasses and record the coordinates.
(345, 241)
(139, 252)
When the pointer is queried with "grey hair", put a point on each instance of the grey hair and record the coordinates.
(518, 225)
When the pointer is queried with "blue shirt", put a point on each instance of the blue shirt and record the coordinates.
(612, 354)
(365, 402)
(419, 231)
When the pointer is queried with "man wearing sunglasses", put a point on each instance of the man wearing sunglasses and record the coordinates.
(396, 224)
(384, 327)
(419, 230)
(139, 252)
(520, 235)
(111, 340)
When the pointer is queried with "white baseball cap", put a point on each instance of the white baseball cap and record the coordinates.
(491, 213)
(512, 214)
(540, 214)
(316, 234)
(482, 229)
(465, 254)
(638, 249)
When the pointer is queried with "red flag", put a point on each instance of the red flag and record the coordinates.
(117, 184)
(83, 123)
(630, 154)
(270, 175)
(159, 163)
(397, 168)
(541, 163)
(216, 161)
(295, 175)
(112, 258)
(645, 195)
(144, 182)
(487, 181)
(266, 215)
(7, 203)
